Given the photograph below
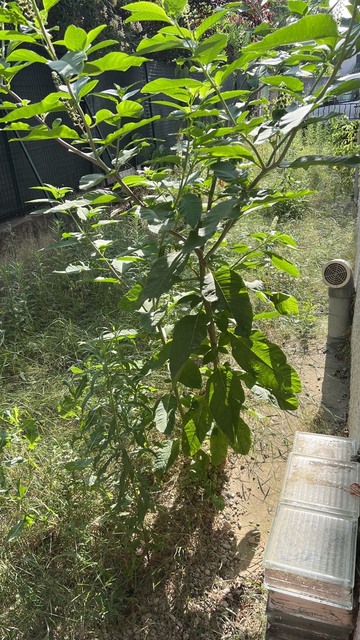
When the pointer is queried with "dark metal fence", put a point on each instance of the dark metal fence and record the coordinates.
(27, 164)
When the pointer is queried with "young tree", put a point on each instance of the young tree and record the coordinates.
(195, 302)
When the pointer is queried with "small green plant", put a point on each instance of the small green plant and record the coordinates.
(18, 434)
(194, 301)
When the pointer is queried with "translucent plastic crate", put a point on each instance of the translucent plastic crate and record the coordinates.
(321, 484)
(321, 446)
(311, 554)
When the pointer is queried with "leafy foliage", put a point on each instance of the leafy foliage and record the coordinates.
(194, 308)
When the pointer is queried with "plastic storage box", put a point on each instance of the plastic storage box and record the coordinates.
(321, 446)
(321, 484)
(312, 554)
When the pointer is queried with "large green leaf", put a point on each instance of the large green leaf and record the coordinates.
(75, 38)
(267, 366)
(128, 128)
(189, 332)
(197, 423)
(298, 6)
(288, 82)
(174, 7)
(190, 375)
(115, 61)
(234, 298)
(71, 64)
(94, 33)
(218, 447)
(228, 151)
(51, 103)
(307, 161)
(210, 48)
(168, 85)
(47, 4)
(43, 133)
(163, 274)
(282, 264)
(209, 22)
(16, 36)
(148, 11)
(344, 85)
(294, 118)
(132, 300)
(321, 27)
(160, 42)
(190, 207)
(166, 456)
(25, 55)
(284, 303)
(165, 414)
(225, 397)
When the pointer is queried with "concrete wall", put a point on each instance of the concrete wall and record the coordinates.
(354, 407)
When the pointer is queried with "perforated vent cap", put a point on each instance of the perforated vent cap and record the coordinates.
(337, 273)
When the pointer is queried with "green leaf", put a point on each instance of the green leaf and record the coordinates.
(226, 397)
(209, 22)
(226, 171)
(284, 303)
(94, 33)
(160, 42)
(307, 161)
(294, 118)
(47, 4)
(115, 61)
(208, 50)
(267, 366)
(163, 274)
(234, 298)
(283, 265)
(128, 128)
(15, 531)
(25, 55)
(50, 104)
(43, 133)
(344, 85)
(101, 45)
(129, 109)
(16, 36)
(190, 207)
(30, 432)
(189, 332)
(132, 300)
(242, 442)
(148, 11)
(71, 64)
(208, 290)
(294, 84)
(228, 151)
(191, 375)
(174, 7)
(165, 414)
(167, 86)
(321, 27)
(166, 457)
(298, 6)
(197, 423)
(75, 38)
(91, 180)
(218, 447)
